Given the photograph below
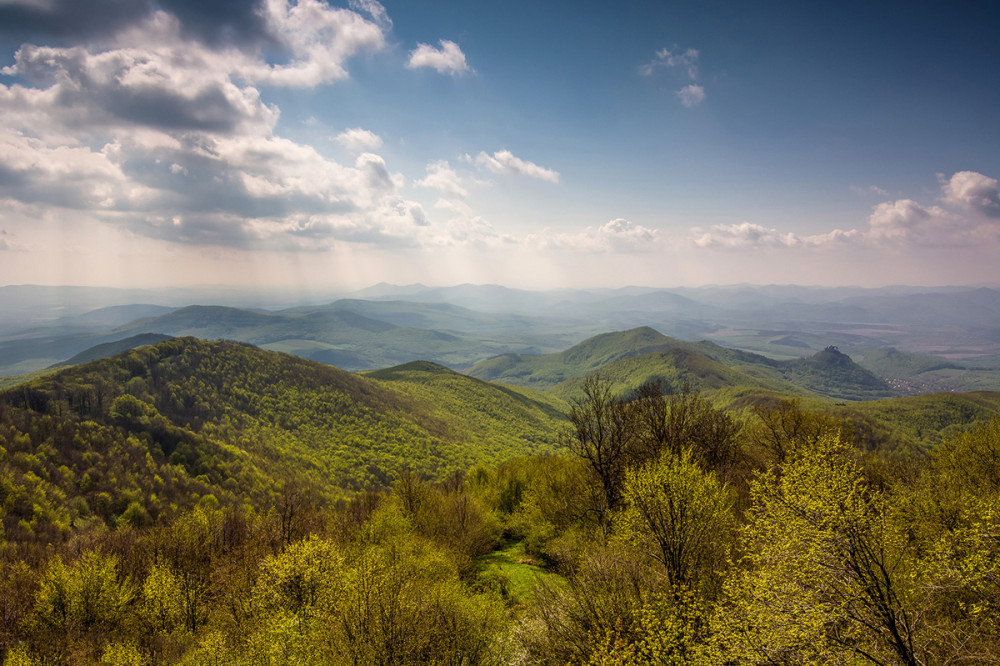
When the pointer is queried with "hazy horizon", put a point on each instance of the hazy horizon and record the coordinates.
(315, 145)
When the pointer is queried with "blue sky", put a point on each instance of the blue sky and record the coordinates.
(525, 143)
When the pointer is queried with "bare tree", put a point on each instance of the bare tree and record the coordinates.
(604, 435)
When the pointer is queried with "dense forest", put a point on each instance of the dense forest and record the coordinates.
(199, 502)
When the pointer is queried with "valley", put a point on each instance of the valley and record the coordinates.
(185, 491)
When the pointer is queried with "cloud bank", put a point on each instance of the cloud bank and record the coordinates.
(967, 214)
(163, 130)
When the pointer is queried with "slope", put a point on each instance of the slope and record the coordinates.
(107, 349)
(545, 371)
(641, 354)
(677, 367)
(160, 426)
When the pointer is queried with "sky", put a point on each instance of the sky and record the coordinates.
(148, 143)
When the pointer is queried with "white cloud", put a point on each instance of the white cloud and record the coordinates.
(319, 38)
(443, 178)
(835, 237)
(968, 217)
(905, 219)
(973, 191)
(8, 243)
(168, 137)
(744, 234)
(448, 59)
(505, 162)
(618, 235)
(359, 140)
(373, 9)
(686, 60)
(691, 95)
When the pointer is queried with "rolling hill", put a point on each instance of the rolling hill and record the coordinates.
(632, 357)
(165, 424)
(334, 335)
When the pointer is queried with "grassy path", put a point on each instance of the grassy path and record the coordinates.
(518, 569)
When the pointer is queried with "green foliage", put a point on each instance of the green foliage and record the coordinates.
(19, 656)
(124, 654)
(669, 630)
(162, 605)
(137, 438)
(825, 572)
(83, 596)
(211, 503)
(679, 516)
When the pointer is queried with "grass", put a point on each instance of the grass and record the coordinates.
(518, 569)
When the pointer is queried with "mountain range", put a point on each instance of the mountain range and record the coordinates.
(944, 339)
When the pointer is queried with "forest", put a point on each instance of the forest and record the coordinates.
(197, 502)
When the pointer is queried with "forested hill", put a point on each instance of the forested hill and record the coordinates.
(192, 502)
(630, 358)
(136, 435)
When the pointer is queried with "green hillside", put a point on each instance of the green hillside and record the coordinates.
(630, 358)
(891, 362)
(107, 349)
(834, 374)
(545, 371)
(927, 419)
(198, 502)
(680, 366)
(162, 425)
(502, 420)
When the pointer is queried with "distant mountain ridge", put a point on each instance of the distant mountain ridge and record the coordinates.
(463, 325)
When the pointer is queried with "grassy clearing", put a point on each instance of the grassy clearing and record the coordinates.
(518, 570)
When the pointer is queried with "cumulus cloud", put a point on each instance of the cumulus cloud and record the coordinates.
(505, 162)
(904, 219)
(373, 9)
(69, 20)
(972, 191)
(168, 87)
(744, 234)
(319, 38)
(448, 59)
(691, 95)
(163, 131)
(968, 214)
(443, 178)
(686, 60)
(618, 235)
(359, 140)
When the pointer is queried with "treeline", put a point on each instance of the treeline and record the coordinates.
(673, 532)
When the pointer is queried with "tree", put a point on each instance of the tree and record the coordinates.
(604, 435)
(683, 420)
(784, 428)
(681, 516)
(827, 577)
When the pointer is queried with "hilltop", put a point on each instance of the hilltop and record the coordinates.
(630, 358)
(161, 425)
